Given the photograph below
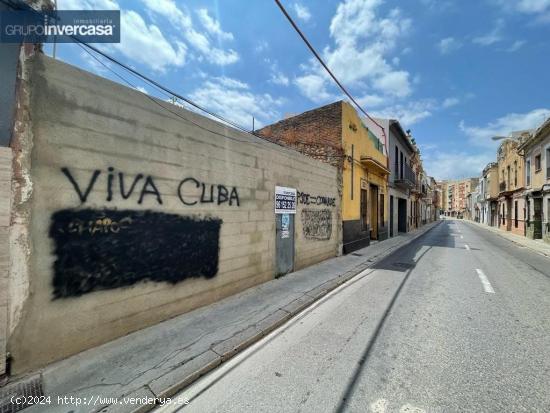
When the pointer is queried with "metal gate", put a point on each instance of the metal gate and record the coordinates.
(285, 212)
(284, 244)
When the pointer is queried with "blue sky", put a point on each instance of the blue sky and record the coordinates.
(454, 72)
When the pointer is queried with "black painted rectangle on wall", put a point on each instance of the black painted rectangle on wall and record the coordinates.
(99, 249)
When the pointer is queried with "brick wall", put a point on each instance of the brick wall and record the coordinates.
(5, 200)
(316, 133)
(114, 175)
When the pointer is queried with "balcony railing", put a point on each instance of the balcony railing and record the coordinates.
(406, 177)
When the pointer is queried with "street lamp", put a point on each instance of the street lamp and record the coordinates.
(499, 138)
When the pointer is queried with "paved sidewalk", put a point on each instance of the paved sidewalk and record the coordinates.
(537, 245)
(161, 360)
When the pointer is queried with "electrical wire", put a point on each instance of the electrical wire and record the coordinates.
(150, 81)
(318, 57)
(166, 91)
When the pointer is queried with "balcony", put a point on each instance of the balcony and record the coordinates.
(406, 178)
(502, 187)
(374, 165)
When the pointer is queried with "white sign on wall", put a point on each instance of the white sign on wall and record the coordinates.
(285, 200)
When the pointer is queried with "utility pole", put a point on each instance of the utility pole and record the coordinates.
(54, 38)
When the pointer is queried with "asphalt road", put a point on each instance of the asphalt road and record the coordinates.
(457, 321)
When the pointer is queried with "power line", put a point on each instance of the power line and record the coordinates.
(312, 49)
(154, 100)
(165, 90)
(24, 6)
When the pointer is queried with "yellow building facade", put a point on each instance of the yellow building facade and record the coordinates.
(364, 183)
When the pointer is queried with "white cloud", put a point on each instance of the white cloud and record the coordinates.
(261, 46)
(182, 22)
(532, 6)
(87, 5)
(370, 101)
(494, 36)
(279, 78)
(518, 44)
(302, 12)
(394, 83)
(503, 126)
(230, 83)
(213, 26)
(314, 88)
(142, 89)
(450, 102)
(448, 45)
(139, 42)
(360, 56)
(233, 99)
(539, 10)
(408, 114)
(453, 165)
(146, 44)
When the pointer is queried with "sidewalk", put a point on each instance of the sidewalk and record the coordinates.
(163, 359)
(536, 245)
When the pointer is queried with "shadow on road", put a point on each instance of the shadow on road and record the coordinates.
(402, 260)
(441, 236)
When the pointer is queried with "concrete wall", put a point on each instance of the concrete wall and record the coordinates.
(124, 231)
(5, 201)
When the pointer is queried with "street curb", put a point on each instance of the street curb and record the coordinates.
(184, 375)
(501, 234)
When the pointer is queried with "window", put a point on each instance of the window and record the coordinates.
(396, 163)
(538, 165)
(515, 173)
(516, 214)
(508, 182)
(401, 165)
(528, 172)
(548, 163)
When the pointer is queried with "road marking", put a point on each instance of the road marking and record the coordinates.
(485, 281)
(467, 247)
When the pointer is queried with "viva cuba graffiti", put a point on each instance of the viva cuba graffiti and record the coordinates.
(107, 248)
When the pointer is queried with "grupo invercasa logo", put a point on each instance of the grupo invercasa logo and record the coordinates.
(60, 26)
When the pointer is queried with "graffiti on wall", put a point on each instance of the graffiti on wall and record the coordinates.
(106, 248)
(317, 224)
(319, 200)
(190, 191)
